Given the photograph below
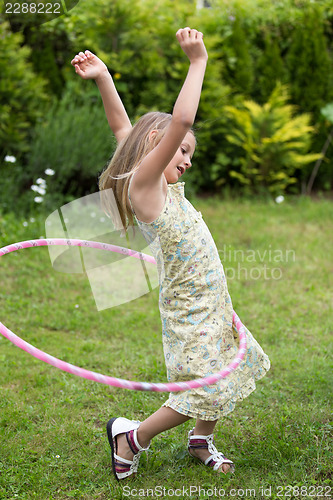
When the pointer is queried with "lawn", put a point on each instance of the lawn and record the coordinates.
(278, 261)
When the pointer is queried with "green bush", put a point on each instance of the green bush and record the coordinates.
(274, 142)
(75, 141)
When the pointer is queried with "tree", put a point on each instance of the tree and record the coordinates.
(22, 94)
(309, 63)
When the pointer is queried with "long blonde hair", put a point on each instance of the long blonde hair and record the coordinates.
(125, 161)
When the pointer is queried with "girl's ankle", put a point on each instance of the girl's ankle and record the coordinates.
(142, 439)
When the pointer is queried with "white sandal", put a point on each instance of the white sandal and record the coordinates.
(216, 458)
(122, 467)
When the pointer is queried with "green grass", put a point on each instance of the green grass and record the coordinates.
(53, 443)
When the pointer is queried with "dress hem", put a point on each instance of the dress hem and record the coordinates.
(224, 411)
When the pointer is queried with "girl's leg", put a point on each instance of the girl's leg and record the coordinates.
(204, 428)
(163, 419)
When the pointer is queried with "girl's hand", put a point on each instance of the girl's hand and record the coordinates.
(191, 41)
(89, 66)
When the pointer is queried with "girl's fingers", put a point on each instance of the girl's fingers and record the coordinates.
(183, 33)
(82, 57)
(77, 59)
(78, 69)
(188, 34)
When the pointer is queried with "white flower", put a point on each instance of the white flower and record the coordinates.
(25, 224)
(49, 171)
(32, 219)
(77, 306)
(38, 199)
(10, 159)
(57, 456)
(38, 189)
(41, 181)
(279, 199)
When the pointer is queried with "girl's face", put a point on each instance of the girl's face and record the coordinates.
(182, 159)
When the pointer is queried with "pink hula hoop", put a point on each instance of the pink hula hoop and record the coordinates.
(98, 377)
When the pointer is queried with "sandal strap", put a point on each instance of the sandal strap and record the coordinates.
(121, 468)
(124, 467)
(198, 443)
(132, 441)
(216, 458)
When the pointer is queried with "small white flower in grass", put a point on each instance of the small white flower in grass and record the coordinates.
(279, 199)
(57, 456)
(77, 306)
(32, 219)
(10, 159)
(38, 189)
(25, 224)
(40, 181)
(49, 171)
(38, 199)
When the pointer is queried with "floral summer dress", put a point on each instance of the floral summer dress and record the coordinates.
(196, 312)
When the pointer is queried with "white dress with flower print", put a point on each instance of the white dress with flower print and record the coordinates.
(196, 312)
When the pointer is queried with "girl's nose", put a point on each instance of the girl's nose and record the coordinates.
(188, 162)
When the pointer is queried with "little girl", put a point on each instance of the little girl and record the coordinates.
(195, 306)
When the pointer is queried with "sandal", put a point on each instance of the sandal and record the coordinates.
(122, 467)
(216, 459)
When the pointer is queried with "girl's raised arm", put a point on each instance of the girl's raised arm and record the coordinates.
(150, 174)
(89, 66)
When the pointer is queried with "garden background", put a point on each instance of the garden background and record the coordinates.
(266, 110)
(262, 177)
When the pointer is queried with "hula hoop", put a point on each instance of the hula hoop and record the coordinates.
(98, 377)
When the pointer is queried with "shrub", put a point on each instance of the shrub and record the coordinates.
(75, 141)
(274, 142)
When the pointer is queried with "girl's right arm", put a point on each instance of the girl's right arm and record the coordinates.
(149, 180)
(89, 66)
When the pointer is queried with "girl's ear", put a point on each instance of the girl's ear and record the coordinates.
(152, 135)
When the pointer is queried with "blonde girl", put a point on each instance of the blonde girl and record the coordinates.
(194, 303)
